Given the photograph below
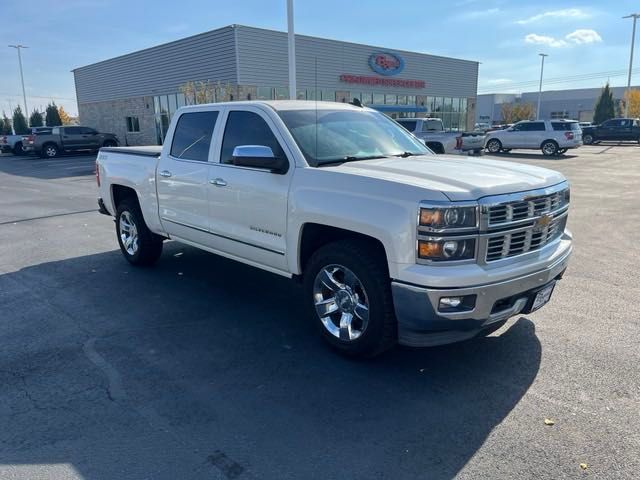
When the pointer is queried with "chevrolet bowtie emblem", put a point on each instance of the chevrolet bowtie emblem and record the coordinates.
(543, 221)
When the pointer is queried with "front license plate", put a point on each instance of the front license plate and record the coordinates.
(542, 297)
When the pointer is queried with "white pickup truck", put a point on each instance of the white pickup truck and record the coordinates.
(392, 243)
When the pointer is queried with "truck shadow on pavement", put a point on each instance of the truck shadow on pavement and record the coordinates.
(204, 368)
(70, 165)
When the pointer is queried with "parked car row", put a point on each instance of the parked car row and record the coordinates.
(49, 142)
(432, 132)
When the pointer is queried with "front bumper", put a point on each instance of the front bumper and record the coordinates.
(420, 324)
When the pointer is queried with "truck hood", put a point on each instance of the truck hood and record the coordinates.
(459, 178)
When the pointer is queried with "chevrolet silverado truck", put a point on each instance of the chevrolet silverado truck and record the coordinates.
(431, 131)
(390, 242)
(615, 129)
(73, 138)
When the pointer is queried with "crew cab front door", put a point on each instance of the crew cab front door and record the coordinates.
(183, 177)
(248, 205)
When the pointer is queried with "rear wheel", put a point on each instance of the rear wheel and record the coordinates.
(49, 150)
(17, 149)
(494, 145)
(138, 244)
(562, 151)
(549, 148)
(348, 292)
(506, 150)
(587, 139)
(109, 143)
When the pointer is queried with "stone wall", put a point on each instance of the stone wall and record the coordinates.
(111, 117)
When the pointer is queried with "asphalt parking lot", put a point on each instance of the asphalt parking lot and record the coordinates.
(201, 368)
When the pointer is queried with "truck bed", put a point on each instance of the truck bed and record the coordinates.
(146, 151)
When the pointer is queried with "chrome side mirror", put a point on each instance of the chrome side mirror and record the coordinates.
(259, 156)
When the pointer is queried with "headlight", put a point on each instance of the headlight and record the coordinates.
(447, 249)
(448, 218)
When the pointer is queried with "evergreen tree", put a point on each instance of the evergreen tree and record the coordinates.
(19, 122)
(36, 120)
(5, 125)
(52, 117)
(605, 108)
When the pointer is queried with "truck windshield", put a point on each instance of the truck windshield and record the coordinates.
(330, 136)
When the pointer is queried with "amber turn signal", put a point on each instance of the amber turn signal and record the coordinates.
(429, 249)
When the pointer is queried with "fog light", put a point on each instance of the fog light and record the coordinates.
(450, 302)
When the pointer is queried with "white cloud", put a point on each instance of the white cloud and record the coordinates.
(583, 35)
(577, 37)
(545, 40)
(498, 81)
(572, 13)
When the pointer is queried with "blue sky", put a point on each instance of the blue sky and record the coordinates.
(581, 37)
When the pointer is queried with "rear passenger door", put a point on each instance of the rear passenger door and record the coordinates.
(91, 138)
(72, 138)
(625, 129)
(534, 134)
(182, 177)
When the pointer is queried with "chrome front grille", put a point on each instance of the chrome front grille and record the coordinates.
(522, 223)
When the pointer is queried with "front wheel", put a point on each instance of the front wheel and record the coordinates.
(138, 244)
(549, 148)
(562, 151)
(587, 139)
(109, 143)
(17, 149)
(348, 292)
(494, 145)
(49, 151)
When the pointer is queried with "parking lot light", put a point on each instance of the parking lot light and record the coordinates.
(540, 88)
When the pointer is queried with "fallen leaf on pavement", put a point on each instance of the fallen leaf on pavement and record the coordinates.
(548, 421)
(583, 466)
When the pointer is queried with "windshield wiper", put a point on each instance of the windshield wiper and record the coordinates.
(407, 154)
(349, 158)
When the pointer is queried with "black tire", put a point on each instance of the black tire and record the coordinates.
(49, 150)
(562, 151)
(494, 146)
(17, 149)
(506, 150)
(368, 264)
(587, 139)
(149, 245)
(437, 148)
(549, 148)
(477, 151)
(109, 143)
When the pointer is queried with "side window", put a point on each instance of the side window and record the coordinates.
(537, 126)
(55, 131)
(72, 131)
(609, 123)
(87, 131)
(624, 123)
(518, 127)
(192, 137)
(409, 125)
(247, 128)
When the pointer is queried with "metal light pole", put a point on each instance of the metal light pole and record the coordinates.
(633, 40)
(292, 51)
(540, 88)
(24, 95)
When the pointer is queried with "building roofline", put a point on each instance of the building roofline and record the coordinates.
(235, 26)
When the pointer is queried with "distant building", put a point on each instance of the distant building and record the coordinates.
(135, 95)
(577, 104)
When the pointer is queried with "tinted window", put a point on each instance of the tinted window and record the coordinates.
(625, 123)
(247, 128)
(432, 125)
(531, 127)
(86, 130)
(611, 123)
(72, 131)
(565, 125)
(409, 124)
(192, 137)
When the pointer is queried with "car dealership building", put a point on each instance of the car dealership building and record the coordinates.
(135, 95)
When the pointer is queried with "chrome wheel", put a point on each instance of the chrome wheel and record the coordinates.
(494, 146)
(51, 151)
(549, 148)
(587, 139)
(128, 233)
(341, 302)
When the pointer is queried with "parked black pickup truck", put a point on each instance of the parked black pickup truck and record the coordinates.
(616, 129)
(66, 139)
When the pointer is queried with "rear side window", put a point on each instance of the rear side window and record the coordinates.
(565, 125)
(192, 137)
(247, 128)
(410, 125)
(532, 127)
(72, 131)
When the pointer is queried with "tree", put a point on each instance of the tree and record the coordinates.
(632, 97)
(52, 116)
(19, 122)
(65, 118)
(514, 112)
(199, 92)
(36, 120)
(605, 108)
(5, 125)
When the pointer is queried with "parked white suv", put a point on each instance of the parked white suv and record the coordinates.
(553, 137)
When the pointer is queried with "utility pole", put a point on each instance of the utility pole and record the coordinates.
(292, 51)
(540, 87)
(633, 40)
(24, 95)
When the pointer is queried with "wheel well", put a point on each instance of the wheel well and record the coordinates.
(109, 141)
(120, 192)
(435, 146)
(46, 144)
(315, 236)
(549, 140)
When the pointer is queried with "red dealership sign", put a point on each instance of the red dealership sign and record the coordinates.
(385, 82)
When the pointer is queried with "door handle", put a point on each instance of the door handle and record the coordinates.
(165, 173)
(218, 182)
